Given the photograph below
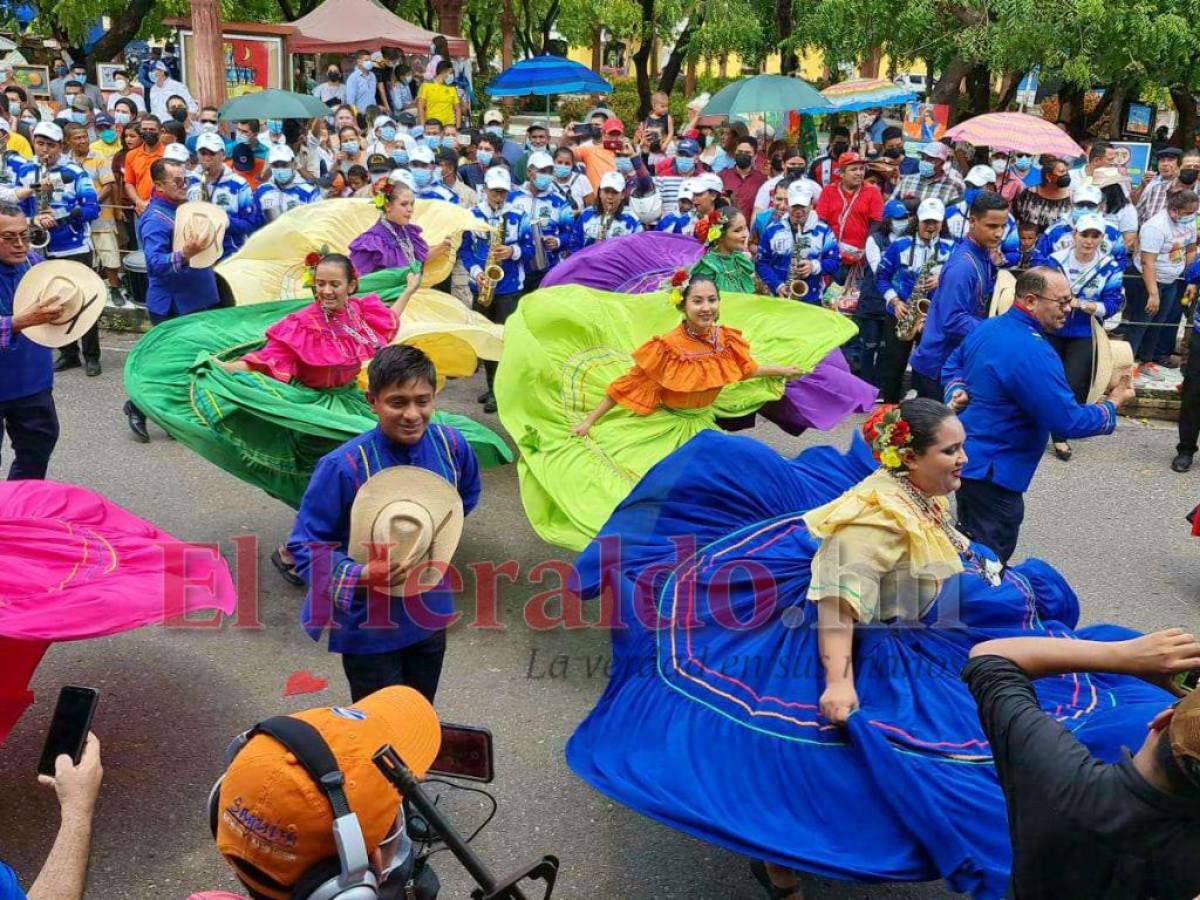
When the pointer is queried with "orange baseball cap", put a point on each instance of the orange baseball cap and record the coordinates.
(274, 820)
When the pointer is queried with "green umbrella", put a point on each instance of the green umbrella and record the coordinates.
(273, 104)
(763, 94)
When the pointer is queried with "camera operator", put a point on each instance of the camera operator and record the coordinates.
(65, 871)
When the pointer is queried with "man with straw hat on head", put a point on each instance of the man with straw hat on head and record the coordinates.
(377, 529)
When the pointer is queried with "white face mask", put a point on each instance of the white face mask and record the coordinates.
(999, 165)
(899, 226)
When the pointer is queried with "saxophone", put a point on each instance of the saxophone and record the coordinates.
(606, 221)
(797, 283)
(39, 237)
(917, 308)
(493, 272)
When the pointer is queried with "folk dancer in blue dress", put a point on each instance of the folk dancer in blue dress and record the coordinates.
(175, 287)
(386, 632)
(1097, 292)
(546, 217)
(1012, 390)
(964, 290)
(497, 300)
(285, 188)
(608, 216)
(918, 255)
(217, 183)
(60, 197)
(779, 262)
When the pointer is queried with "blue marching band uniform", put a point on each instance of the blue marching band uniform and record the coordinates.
(678, 223)
(589, 223)
(73, 202)
(233, 194)
(819, 246)
(555, 218)
(1061, 236)
(273, 200)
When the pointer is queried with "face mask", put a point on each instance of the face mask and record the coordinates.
(122, 118)
(624, 164)
(79, 76)
(350, 147)
(721, 161)
(448, 141)
(400, 157)
(179, 114)
(561, 171)
(1188, 176)
(449, 79)
(60, 71)
(121, 84)
(926, 168)
(743, 160)
(282, 177)
(899, 226)
(1062, 181)
(999, 166)
(836, 150)
(387, 134)
(150, 138)
(241, 138)
(109, 136)
(496, 132)
(893, 152)
(368, 65)
(335, 76)
(542, 181)
(422, 177)
(484, 157)
(1188, 222)
(1024, 162)
(29, 123)
(208, 127)
(14, 107)
(685, 165)
(433, 141)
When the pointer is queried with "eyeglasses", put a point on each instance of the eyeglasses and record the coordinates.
(1061, 304)
(175, 182)
(16, 238)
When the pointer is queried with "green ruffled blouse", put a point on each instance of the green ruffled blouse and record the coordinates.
(734, 272)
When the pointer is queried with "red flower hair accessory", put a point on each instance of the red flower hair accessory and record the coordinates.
(311, 261)
(887, 433)
(709, 229)
(383, 194)
(679, 285)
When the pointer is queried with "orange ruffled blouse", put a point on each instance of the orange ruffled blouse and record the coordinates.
(679, 371)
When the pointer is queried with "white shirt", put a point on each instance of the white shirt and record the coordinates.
(762, 200)
(160, 94)
(1168, 239)
(1124, 221)
(138, 101)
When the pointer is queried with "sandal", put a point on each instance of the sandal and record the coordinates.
(759, 870)
(1062, 450)
(286, 572)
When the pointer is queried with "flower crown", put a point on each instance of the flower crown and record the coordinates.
(314, 259)
(887, 433)
(709, 228)
(680, 281)
(383, 194)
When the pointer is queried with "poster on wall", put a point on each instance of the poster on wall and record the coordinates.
(1139, 117)
(1133, 159)
(925, 122)
(252, 63)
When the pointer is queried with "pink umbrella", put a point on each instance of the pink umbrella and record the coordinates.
(73, 565)
(1016, 133)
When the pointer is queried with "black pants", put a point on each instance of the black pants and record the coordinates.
(925, 386)
(90, 342)
(418, 666)
(1076, 356)
(870, 353)
(991, 515)
(503, 306)
(32, 426)
(1189, 402)
(893, 360)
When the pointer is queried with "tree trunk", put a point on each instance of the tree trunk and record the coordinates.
(1008, 90)
(125, 26)
(670, 72)
(1097, 113)
(1072, 112)
(689, 84)
(870, 66)
(1185, 105)
(980, 86)
(507, 26)
(723, 65)
(946, 89)
(788, 61)
(209, 62)
(641, 58)
(548, 24)
(289, 14)
(597, 48)
(1121, 95)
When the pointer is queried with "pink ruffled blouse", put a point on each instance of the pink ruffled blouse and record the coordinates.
(325, 351)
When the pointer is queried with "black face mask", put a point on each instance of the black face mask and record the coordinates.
(335, 76)
(836, 150)
(894, 152)
(1062, 181)
(743, 160)
(150, 138)
(794, 171)
(1188, 176)
(776, 163)
(179, 114)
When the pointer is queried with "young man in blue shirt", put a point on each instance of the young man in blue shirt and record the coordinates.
(409, 646)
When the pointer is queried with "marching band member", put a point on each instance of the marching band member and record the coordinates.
(425, 173)
(1096, 278)
(983, 178)
(545, 215)
(682, 221)
(285, 188)
(220, 185)
(915, 251)
(1086, 200)
(570, 183)
(503, 248)
(779, 262)
(608, 217)
(60, 197)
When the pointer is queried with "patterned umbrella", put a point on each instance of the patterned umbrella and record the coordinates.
(1016, 133)
(865, 93)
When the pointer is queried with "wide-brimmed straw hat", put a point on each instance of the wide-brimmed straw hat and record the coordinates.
(1111, 361)
(1003, 294)
(82, 294)
(197, 215)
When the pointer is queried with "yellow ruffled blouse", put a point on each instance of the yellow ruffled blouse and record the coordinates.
(880, 553)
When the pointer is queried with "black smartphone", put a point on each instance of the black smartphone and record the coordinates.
(466, 753)
(1187, 681)
(70, 726)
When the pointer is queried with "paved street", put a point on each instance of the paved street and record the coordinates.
(1112, 520)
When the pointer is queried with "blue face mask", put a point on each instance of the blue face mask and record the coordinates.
(433, 141)
(282, 177)
(387, 133)
(542, 181)
(1024, 162)
(422, 177)
(400, 157)
(448, 141)
(721, 161)
(243, 138)
(275, 127)
(926, 168)
(484, 157)
(561, 171)
(350, 148)
(624, 164)
(685, 165)
(1188, 222)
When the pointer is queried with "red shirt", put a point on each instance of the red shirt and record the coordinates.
(744, 188)
(850, 214)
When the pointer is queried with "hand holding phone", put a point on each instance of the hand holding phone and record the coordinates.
(77, 785)
(69, 727)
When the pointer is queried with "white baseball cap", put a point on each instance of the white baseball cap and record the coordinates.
(421, 154)
(707, 182)
(936, 150)
(380, 121)
(48, 130)
(685, 192)
(614, 181)
(177, 152)
(278, 153)
(1091, 222)
(402, 176)
(931, 210)
(800, 193)
(1086, 192)
(981, 176)
(211, 142)
(539, 159)
(496, 178)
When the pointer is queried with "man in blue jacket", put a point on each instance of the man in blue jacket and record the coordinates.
(1012, 389)
(175, 288)
(964, 290)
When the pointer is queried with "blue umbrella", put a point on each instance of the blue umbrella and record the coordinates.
(541, 76)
